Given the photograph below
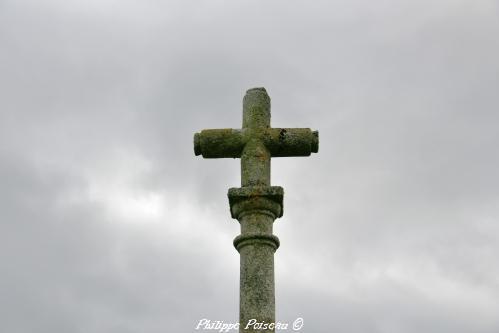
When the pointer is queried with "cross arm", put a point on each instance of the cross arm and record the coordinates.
(282, 142)
(219, 143)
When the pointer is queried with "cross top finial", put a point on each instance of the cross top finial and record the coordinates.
(256, 109)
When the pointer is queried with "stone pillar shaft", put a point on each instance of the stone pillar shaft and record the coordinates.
(256, 208)
(257, 300)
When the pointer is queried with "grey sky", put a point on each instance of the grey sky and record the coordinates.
(109, 223)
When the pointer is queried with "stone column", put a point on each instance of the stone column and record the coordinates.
(256, 208)
(256, 204)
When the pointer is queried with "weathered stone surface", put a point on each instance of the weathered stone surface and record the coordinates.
(256, 109)
(256, 204)
(256, 134)
(243, 200)
(286, 142)
(257, 293)
(219, 143)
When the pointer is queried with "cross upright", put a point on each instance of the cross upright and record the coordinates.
(256, 204)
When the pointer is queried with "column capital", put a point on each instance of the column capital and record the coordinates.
(251, 199)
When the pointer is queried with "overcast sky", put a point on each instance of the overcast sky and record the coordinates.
(109, 223)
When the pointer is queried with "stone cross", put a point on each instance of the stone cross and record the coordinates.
(256, 204)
